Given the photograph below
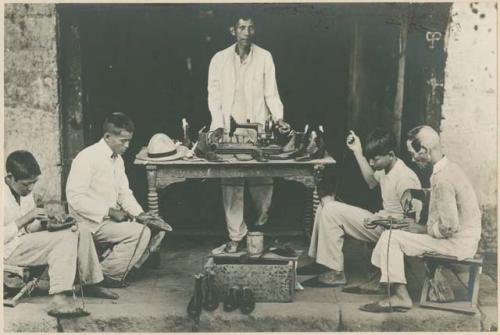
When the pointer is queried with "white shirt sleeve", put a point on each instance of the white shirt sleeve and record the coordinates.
(378, 175)
(214, 93)
(78, 190)
(126, 197)
(271, 94)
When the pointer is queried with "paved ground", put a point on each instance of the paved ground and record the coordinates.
(156, 302)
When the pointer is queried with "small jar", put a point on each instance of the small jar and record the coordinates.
(255, 243)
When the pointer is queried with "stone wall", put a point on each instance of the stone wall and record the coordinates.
(31, 106)
(469, 124)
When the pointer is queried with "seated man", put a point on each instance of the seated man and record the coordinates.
(25, 244)
(335, 219)
(453, 226)
(99, 196)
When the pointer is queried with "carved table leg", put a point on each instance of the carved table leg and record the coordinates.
(151, 170)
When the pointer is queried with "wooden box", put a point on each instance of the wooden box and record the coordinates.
(271, 277)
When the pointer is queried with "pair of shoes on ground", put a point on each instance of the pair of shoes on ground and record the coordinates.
(239, 297)
(205, 295)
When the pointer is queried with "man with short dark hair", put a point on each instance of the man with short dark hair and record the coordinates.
(453, 226)
(28, 243)
(98, 194)
(242, 85)
(379, 165)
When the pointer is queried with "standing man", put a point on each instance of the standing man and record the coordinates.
(453, 226)
(99, 196)
(242, 85)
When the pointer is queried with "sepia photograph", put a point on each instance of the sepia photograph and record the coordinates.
(250, 167)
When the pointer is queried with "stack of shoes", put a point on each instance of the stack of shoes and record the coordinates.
(316, 147)
(297, 152)
(205, 149)
(239, 297)
(196, 302)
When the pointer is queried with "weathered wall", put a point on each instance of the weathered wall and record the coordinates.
(30, 84)
(469, 125)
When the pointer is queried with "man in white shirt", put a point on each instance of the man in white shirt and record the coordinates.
(242, 85)
(26, 243)
(99, 196)
(453, 226)
(335, 219)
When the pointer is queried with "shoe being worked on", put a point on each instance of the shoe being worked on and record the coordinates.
(232, 299)
(194, 306)
(247, 301)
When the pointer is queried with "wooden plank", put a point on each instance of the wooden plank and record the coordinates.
(399, 98)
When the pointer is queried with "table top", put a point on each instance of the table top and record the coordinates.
(141, 159)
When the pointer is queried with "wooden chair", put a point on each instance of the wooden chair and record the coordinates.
(469, 306)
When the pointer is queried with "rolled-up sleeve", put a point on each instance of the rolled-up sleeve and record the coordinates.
(443, 216)
(78, 191)
(271, 94)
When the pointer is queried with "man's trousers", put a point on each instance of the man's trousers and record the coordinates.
(123, 238)
(61, 250)
(390, 257)
(261, 192)
(332, 222)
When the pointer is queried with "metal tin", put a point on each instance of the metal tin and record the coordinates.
(255, 243)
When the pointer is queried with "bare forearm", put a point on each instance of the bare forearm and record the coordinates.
(366, 170)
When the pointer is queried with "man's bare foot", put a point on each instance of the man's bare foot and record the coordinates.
(399, 298)
(97, 291)
(64, 307)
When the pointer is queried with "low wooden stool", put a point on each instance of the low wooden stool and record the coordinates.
(469, 306)
(17, 277)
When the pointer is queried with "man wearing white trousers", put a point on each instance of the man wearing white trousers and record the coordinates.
(242, 85)
(453, 226)
(99, 197)
(335, 219)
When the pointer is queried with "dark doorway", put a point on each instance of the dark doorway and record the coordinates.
(151, 62)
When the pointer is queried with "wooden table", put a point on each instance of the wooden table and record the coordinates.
(162, 174)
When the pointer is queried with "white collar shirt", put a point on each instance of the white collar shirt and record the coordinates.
(96, 183)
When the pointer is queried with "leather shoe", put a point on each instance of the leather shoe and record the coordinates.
(315, 149)
(232, 299)
(210, 298)
(247, 301)
(194, 306)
